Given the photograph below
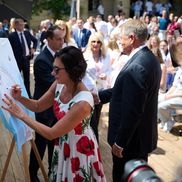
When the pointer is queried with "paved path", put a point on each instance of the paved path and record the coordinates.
(163, 160)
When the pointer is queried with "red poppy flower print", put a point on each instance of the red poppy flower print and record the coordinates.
(65, 180)
(56, 143)
(56, 107)
(78, 129)
(85, 146)
(59, 114)
(97, 169)
(78, 178)
(66, 151)
(75, 164)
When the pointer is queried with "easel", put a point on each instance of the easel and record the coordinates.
(25, 161)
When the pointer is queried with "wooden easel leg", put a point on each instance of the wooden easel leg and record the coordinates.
(25, 161)
(7, 160)
(39, 160)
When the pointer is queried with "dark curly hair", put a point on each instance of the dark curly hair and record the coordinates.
(74, 62)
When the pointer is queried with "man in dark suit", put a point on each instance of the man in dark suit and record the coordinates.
(3, 33)
(43, 67)
(132, 132)
(81, 35)
(20, 41)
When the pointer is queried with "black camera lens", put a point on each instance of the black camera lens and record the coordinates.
(139, 171)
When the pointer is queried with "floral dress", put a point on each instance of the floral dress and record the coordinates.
(76, 156)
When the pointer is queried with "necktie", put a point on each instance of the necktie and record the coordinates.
(23, 44)
(80, 39)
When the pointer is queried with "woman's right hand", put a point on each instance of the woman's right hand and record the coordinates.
(12, 107)
(16, 92)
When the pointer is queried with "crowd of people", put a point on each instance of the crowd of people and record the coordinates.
(163, 29)
(124, 61)
(138, 7)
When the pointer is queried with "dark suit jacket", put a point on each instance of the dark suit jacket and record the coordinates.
(3, 35)
(43, 66)
(85, 36)
(16, 44)
(133, 104)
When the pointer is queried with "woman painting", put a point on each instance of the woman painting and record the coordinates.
(76, 154)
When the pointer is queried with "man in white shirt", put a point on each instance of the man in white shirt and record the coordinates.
(149, 7)
(100, 10)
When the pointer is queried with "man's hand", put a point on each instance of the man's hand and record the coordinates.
(95, 96)
(117, 151)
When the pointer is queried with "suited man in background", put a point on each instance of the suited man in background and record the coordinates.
(3, 32)
(20, 41)
(43, 66)
(132, 132)
(81, 35)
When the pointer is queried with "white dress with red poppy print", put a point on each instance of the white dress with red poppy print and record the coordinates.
(76, 156)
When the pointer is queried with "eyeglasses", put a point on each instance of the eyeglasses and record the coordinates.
(57, 69)
(98, 42)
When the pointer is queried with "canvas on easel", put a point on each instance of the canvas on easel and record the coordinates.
(10, 75)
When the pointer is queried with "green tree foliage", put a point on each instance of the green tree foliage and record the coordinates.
(58, 8)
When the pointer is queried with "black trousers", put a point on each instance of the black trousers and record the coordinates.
(94, 123)
(41, 144)
(119, 163)
(24, 67)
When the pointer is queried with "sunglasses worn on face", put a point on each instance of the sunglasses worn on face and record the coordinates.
(98, 42)
(57, 69)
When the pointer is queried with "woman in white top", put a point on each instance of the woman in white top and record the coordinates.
(172, 100)
(153, 45)
(167, 61)
(98, 68)
(98, 60)
(68, 41)
(117, 58)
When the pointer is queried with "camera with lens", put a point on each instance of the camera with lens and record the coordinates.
(139, 171)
